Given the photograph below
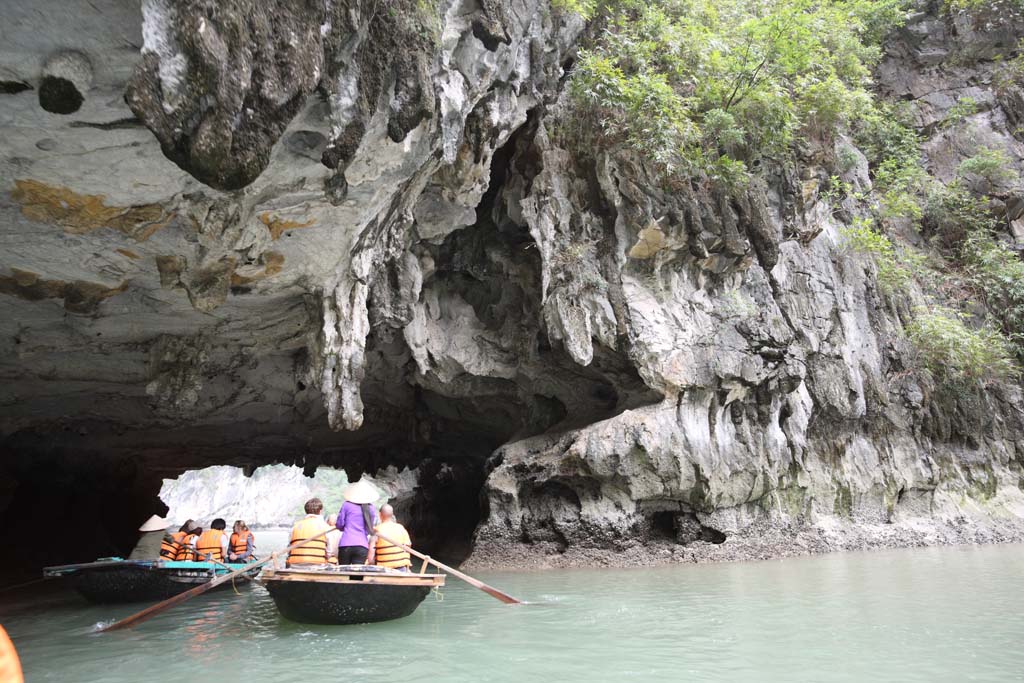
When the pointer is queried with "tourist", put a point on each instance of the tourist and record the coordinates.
(243, 543)
(313, 524)
(171, 543)
(212, 544)
(387, 553)
(187, 551)
(332, 539)
(356, 519)
(152, 535)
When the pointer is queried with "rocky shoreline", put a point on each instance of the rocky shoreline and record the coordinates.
(759, 542)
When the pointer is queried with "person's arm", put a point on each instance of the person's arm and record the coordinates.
(225, 545)
(340, 524)
(250, 548)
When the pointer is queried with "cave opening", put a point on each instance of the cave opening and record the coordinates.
(86, 462)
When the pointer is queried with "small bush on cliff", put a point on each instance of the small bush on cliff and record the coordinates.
(953, 352)
(998, 275)
(992, 165)
(896, 270)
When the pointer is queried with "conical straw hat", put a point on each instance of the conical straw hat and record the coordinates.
(361, 492)
(154, 523)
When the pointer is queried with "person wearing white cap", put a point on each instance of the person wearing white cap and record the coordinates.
(356, 520)
(148, 547)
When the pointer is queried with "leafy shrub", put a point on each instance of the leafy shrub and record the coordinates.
(956, 213)
(952, 351)
(998, 275)
(893, 148)
(896, 271)
(993, 165)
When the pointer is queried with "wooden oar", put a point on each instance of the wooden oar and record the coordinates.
(490, 590)
(156, 609)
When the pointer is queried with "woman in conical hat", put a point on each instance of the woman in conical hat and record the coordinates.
(151, 535)
(356, 520)
(154, 523)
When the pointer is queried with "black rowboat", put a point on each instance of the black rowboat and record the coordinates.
(349, 594)
(114, 580)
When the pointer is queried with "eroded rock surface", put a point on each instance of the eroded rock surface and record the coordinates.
(348, 233)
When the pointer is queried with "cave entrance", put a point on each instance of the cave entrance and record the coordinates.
(436, 501)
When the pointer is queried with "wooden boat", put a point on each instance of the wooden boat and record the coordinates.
(115, 580)
(347, 594)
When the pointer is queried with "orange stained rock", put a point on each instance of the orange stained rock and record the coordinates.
(128, 253)
(79, 296)
(273, 263)
(79, 214)
(278, 226)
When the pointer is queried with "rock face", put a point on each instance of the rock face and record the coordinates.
(347, 233)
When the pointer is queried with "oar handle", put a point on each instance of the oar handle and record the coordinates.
(476, 583)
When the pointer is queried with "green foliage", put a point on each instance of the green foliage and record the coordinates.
(1011, 72)
(993, 165)
(954, 352)
(712, 86)
(964, 107)
(896, 271)
(584, 8)
(955, 214)
(998, 274)
(893, 149)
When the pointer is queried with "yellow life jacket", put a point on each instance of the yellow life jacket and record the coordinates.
(314, 552)
(187, 553)
(388, 555)
(171, 544)
(208, 546)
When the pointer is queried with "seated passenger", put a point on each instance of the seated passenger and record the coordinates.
(187, 551)
(172, 542)
(388, 554)
(243, 543)
(212, 544)
(314, 552)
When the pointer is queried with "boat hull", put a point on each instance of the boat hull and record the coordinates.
(112, 582)
(349, 598)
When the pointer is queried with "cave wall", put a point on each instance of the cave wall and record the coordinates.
(247, 232)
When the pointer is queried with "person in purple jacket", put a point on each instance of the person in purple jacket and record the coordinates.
(356, 520)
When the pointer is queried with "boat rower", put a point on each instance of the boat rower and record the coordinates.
(152, 535)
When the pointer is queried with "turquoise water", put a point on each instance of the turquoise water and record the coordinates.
(945, 614)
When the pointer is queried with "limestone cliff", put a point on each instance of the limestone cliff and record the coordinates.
(348, 233)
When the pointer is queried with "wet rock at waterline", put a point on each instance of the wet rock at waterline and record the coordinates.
(320, 235)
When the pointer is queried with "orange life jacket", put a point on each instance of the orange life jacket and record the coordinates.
(239, 544)
(387, 554)
(170, 546)
(208, 546)
(187, 553)
(314, 552)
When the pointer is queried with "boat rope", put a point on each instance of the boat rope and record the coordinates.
(438, 595)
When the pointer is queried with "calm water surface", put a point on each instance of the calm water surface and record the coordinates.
(946, 614)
